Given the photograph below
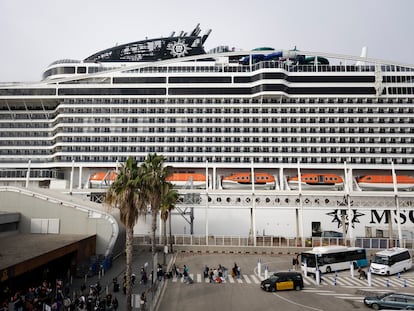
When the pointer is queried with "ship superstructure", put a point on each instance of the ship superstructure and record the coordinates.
(226, 111)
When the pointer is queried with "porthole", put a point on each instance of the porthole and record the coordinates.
(228, 200)
(218, 199)
(257, 200)
(247, 200)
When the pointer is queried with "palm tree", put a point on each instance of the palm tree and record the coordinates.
(154, 179)
(126, 195)
(169, 199)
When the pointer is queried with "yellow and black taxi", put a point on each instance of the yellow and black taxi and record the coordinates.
(283, 281)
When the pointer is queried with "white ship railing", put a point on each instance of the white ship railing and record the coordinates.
(271, 241)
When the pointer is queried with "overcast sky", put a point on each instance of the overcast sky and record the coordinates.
(33, 34)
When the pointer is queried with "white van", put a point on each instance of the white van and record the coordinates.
(391, 261)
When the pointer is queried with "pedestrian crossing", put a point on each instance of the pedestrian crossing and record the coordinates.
(342, 280)
(349, 281)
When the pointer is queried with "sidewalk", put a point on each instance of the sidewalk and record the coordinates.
(140, 257)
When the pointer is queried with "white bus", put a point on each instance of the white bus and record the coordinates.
(391, 261)
(333, 258)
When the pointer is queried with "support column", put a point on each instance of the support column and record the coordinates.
(28, 173)
(80, 177)
(397, 204)
(71, 177)
(347, 188)
(281, 180)
(253, 212)
(213, 186)
(299, 212)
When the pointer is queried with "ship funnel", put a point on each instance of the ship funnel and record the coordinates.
(364, 55)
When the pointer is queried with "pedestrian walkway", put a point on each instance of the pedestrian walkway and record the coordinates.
(327, 280)
(348, 281)
(141, 257)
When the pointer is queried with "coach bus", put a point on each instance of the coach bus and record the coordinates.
(327, 259)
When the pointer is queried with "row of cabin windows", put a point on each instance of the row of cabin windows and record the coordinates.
(271, 100)
(216, 149)
(233, 110)
(211, 159)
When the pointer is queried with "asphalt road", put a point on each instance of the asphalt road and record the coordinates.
(336, 292)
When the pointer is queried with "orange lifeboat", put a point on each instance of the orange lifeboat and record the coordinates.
(243, 181)
(102, 179)
(188, 180)
(385, 182)
(316, 182)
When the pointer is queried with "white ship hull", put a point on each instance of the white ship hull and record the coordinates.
(385, 187)
(187, 185)
(228, 184)
(293, 185)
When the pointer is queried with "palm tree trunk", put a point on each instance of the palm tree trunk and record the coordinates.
(164, 223)
(169, 223)
(128, 268)
(153, 229)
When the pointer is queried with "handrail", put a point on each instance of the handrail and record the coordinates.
(271, 241)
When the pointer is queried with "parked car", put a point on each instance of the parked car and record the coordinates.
(392, 301)
(283, 281)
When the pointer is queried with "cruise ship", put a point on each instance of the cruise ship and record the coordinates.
(220, 112)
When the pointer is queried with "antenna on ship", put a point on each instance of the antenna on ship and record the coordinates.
(205, 36)
(196, 30)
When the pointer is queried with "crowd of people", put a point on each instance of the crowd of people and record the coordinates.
(217, 274)
(58, 297)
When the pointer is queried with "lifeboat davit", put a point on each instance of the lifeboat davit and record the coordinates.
(102, 179)
(385, 182)
(188, 180)
(316, 182)
(244, 181)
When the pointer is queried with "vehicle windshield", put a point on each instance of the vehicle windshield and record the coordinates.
(309, 259)
(383, 260)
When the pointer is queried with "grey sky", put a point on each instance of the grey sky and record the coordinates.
(35, 33)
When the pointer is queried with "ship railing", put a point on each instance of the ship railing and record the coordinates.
(272, 241)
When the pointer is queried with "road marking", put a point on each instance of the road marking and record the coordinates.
(297, 304)
(255, 280)
(247, 279)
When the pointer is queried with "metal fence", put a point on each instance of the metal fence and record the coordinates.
(271, 241)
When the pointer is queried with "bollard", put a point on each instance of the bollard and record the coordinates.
(317, 277)
(369, 277)
(259, 267)
(405, 283)
(387, 283)
(266, 272)
(335, 281)
(351, 269)
(399, 274)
